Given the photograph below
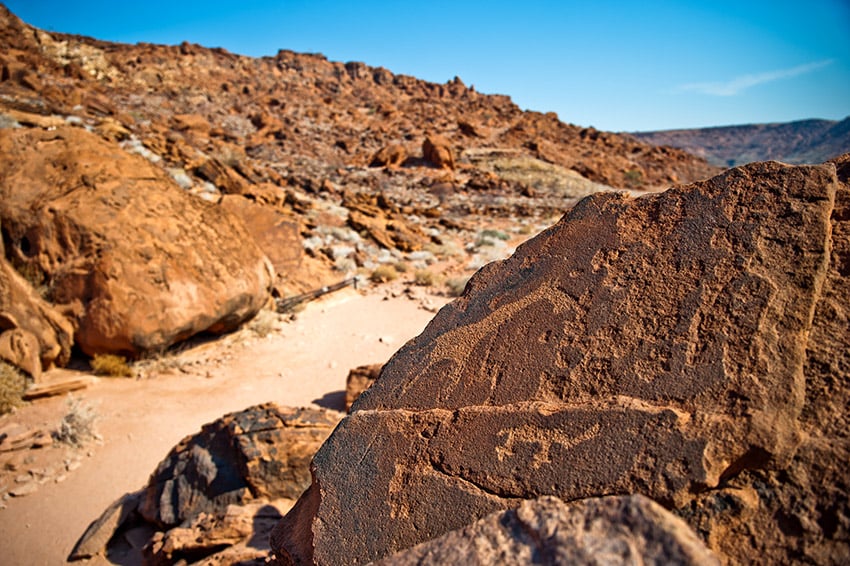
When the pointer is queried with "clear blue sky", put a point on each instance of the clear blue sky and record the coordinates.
(615, 65)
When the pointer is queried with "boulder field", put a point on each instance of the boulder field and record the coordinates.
(691, 346)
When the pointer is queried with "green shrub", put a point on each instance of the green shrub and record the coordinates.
(13, 383)
(111, 365)
(384, 274)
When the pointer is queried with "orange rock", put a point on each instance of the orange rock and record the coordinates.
(21, 349)
(151, 264)
(392, 155)
(438, 151)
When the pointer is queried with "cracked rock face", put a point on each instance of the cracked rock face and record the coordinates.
(654, 345)
(262, 452)
(33, 335)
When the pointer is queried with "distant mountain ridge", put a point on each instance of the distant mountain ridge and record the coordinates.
(799, 142)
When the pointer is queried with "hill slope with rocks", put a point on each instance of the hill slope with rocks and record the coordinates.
(140, 179)
(800, 142)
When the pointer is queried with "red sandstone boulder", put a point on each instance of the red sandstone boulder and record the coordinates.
(278, 237)
(664, 345)
(392, 155)
(437, 150)
(149, 264)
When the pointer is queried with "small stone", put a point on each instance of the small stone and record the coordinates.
(24, 490)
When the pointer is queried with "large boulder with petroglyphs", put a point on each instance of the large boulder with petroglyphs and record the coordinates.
(690, 346)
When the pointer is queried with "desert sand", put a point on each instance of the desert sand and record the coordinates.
(299, 362)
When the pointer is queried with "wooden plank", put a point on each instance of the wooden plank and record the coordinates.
(41, 390)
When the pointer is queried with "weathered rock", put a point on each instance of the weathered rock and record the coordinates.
(653, 345)
(99, 533)
(150, 264)
(801, 513)
(242, 531)
(192, 122)
(359, 380)
(388, 229)
(25, 316)
(224, 487)
(261, 452)
(21, 349)
(222, 176)
(437, 150)
(607, 530)
(276, 235)
(392, 155)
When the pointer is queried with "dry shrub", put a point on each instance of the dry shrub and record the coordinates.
(13, 383)
(400, 266)
(456, 285)
(111, 365)
(78, 425)
(263, 323)
(424, 278)
(384, 274)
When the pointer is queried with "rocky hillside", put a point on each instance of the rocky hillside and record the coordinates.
(805, 141)
(153, 192)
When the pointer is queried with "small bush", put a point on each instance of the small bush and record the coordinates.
(111, 365)
(491, 237)
(424, 278)
(633, 177)
(264, 323)
(13, 383)
(384, 274)
(78, 425)
(456, 285)
(495, 234)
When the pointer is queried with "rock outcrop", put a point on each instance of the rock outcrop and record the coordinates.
(263, 451)
(607, 530)
(690, 346)
(359, 380)
(145, 264)
(437, 150)
(33, 335)
(220, 488)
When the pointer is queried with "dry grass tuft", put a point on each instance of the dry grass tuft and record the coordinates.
(384, 274)
(111, 365)
(424, 278)
(78, 425)
(13, 383)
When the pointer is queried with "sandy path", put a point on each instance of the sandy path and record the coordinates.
(140, 420)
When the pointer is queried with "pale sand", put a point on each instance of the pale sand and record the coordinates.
(142, 419)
